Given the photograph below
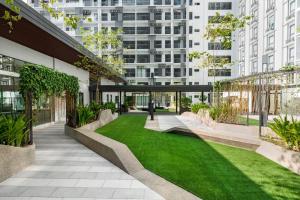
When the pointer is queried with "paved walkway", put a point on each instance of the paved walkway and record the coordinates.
(65, 169)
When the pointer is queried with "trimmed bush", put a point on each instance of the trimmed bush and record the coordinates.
(199, 106)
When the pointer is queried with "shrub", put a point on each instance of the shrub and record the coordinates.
(85, 115)
(199, 106)
(95, 108)
(289, 131)
(111, 106)
(186, 102)
(13, 131)
(214, 112)
(224, 113)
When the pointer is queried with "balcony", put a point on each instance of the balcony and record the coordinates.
(270, 48)
(291, 16)
(254, 4)
(271, 8)
(289, 40)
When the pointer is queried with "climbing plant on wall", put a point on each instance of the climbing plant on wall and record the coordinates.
(40, 80)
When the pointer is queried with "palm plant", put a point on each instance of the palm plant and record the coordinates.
(85, 115)
(288, 130)
(13, 131)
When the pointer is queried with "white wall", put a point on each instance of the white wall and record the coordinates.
(15, 50)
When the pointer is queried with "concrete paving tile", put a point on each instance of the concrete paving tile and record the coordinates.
(38, 192)
(117, 183)
(137, 184)
(62, 182)
(89, 183)
(11, 191)
(99, 193)
(67, 192)
(129, 193)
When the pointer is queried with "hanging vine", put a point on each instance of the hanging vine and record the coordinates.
(40, 80)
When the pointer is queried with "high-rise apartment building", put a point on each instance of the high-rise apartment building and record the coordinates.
(158, 36)
(269, 42)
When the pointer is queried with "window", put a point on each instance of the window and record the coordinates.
(157, 2)
(143, 58)
(190, 29)
(197, 30)
(271, 22)
(129, 44)
(167, 16)
(219, 6)
(143, 16)
(190, 43)
(291, 55)
(129, 58)
(114, 2)
(142, 72)
(190, 15)
(190, 71)
(143, 30)
(167, 30)
(158, 72)
(168, 71)
(128, 16)
(157, 30)
(177, 58)
(167, 2)
(177, 72)
(270, 41)
(177, 2)
(168, 44)
(219, 72)
(291, 7)
(177, 14)
(157, 16)
(142, 2)
(130, 72)
(291, 31)
(177, 43)
(157, 58)
(157, 44)
(104, 3)
(129, 30)
(197, 17)
(254, 67)
(104, 17)
(168, 58)
(143, 44)
(271, 63)
(128, 2)
(176, 29)
(114, 16)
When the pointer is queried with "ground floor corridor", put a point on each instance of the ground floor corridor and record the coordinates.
(65, 169)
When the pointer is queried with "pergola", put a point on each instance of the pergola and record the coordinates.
(178, 89)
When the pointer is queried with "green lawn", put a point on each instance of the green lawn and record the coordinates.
(209, 170)
(252, 122)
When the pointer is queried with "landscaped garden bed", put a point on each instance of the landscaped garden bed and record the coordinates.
(207, 169)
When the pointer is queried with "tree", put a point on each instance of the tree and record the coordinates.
(106, 45)
(219, 29)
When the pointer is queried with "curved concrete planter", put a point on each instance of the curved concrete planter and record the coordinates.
(286, 158)
(14, 159)
(120, 155)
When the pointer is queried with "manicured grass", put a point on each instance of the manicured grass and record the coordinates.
(209, 170)
(252, 122)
